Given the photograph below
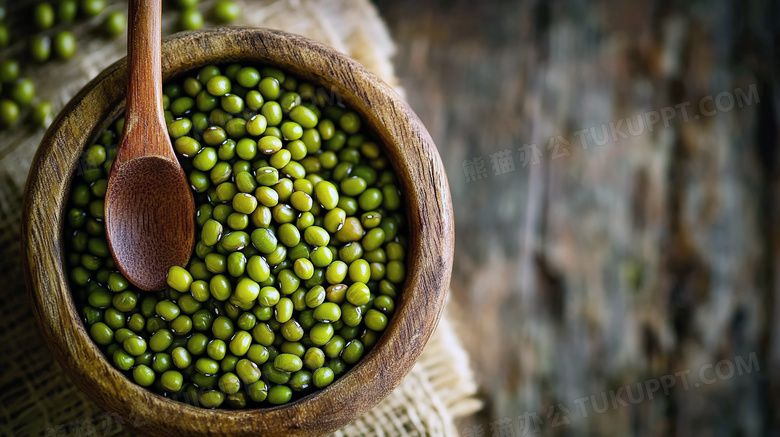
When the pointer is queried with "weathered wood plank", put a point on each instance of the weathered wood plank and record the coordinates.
(626, 254)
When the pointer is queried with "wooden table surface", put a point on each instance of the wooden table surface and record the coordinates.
(614, 172)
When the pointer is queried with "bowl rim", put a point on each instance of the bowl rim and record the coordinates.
(429, 208)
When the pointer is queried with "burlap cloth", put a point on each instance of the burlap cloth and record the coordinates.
(37, 398)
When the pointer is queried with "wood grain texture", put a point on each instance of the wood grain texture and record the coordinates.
(587, 270)
(144, 117)
(429, 209)
(149, 206)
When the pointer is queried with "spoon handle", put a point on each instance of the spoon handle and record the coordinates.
(144, 115)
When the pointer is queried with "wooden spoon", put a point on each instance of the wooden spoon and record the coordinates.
(150, 211)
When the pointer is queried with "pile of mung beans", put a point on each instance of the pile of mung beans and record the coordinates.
(300, 245)
(43, 31)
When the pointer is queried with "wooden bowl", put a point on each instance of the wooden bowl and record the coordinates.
(429, 209)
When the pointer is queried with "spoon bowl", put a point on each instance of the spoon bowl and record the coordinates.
(149, 219)
(420, 302)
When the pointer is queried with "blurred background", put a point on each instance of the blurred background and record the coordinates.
(614, 172)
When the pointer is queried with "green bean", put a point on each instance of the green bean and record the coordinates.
(64, 45)
(216, 349)
(190, 19)
(322, 377)
(225, 11)
(40, 48)
(23, 92)
(114, 23)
